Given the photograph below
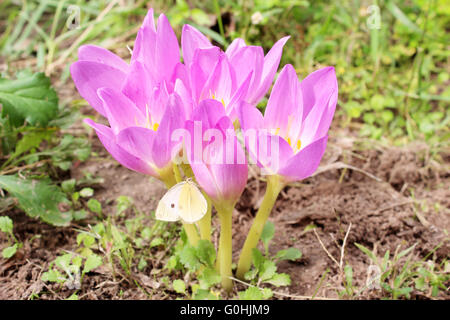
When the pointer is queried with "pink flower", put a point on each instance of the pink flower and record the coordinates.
(291, 137)
(214, 153)
(240, 73)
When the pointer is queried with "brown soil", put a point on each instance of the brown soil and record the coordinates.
(390, 202)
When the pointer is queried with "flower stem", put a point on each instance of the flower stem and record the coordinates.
(171, 177)
(205, 223)
(274, 187)
(225, 246)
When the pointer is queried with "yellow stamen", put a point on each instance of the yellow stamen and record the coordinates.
(299, 144)
(155, 126)
(289, 141)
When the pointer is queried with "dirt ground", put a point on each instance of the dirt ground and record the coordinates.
(390, 196)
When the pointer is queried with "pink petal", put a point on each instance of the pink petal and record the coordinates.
(317, 87)
(173, 119)
(249, 59)
(138, 86)
(202, 64)
(208, 112)
(271, 62)
(98, 54)
(167, 49)
(320, 101)
(138, 141)
(305, 162)
(89, 76)
(221, 82)
(284, 108)
(234, 47)
(120, 111)
(192, 39)
(107, 138)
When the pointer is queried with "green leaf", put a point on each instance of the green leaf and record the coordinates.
(252, 293)
(30, 140)
(142, 264)
(123, 203)
(188, 258)
(74, 296)
(205, 252)
(52, 275)
(86, 192)
(348, 275)
(68, 185)
(179, 286)
(268, 270)
(92, 262)
(289, 254)
(80, 214)
(267, 233)
(279, 279)
(38, 198)
(250, 275)
(267, 293)
(156, 242)
(367, 252)
(257, 258)
(208, 278)
(28, 98)
(95, 206)
(8, 252)
(398, 13)
(64, 261)
(6, 224)
(203, 294)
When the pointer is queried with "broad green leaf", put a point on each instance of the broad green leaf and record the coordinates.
(8, 252)
(179, 286)
(203, 294)
(30, 140)
(64, 261)
(29, 98)
(95, 206)
(267, 270)
(252, 293)
(257, 258)
(52, 275)
(267, 293)
(68, 185)
(279, 279)
(92, 262)
(86, 192)
(188, 258)
(38, 198)
(205, 252)
(289, 254)
(6, 224)
(267, 233)
(208, 278)
(156, 242)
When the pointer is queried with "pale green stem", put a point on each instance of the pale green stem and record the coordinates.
(205, 223)
(274, 187)
(225, 246)
(171, 178)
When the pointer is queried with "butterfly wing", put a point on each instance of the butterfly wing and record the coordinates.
(192, 205)
(167, 209)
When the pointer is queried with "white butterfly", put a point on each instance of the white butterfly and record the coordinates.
(183, 201)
